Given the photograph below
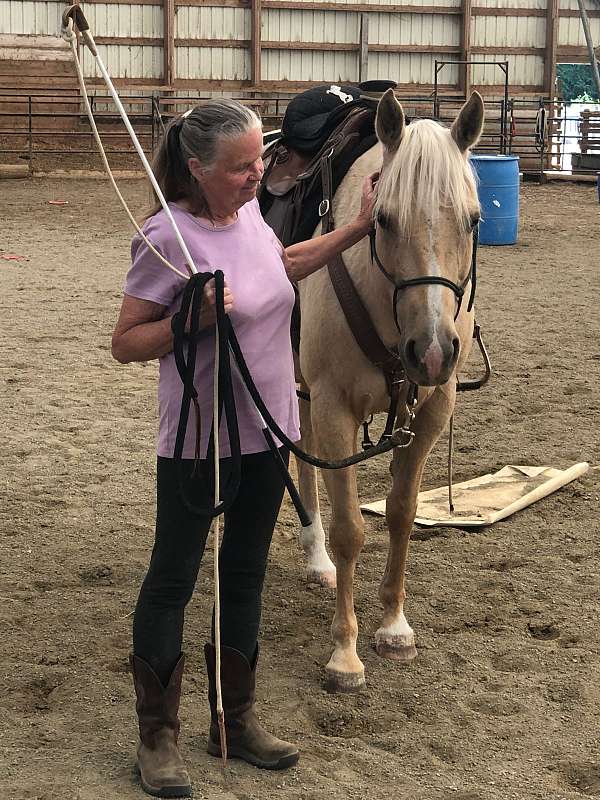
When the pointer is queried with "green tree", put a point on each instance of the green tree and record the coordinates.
(577, 82)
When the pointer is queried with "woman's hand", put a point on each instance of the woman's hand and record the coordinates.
(208, 311)
(367, 202)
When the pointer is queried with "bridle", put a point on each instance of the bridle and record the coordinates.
(428, 280)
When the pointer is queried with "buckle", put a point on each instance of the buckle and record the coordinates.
(323, 207)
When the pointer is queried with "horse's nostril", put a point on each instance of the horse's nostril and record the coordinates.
(411, 353)
(456, 347)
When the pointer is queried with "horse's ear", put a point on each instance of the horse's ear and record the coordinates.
(389, 124)
(468, 126)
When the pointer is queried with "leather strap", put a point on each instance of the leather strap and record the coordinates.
(361, 324)
(326, 205)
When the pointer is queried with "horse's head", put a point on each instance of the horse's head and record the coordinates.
(426, 211)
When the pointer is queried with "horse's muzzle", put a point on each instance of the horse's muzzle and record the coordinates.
(431, 362)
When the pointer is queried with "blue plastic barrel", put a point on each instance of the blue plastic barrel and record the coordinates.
(498, 187)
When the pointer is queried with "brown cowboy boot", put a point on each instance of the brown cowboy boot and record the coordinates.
(161, 768)
(246, 738)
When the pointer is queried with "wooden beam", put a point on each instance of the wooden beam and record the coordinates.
(363, 58)
(255, 41)
(464, 80)
(130, 41)
(360, 7)
(512, 11)
(507, 51)
(292, 5)
(571, 12)
(552, 11)
(343, 47)
(169, 41)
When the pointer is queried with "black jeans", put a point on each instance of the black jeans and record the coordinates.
(178, 548)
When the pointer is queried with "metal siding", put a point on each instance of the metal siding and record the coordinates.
(407, 68)
(503, 4)
(124, 61)
(574, 6)
(570, 31)
(522, 70)
(124, 20)
(508, 32)
(212, 63)
(38, 18)
(198, 22)
(449, 3)
(284, 25)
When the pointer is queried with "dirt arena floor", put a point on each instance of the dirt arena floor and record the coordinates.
(503, 701)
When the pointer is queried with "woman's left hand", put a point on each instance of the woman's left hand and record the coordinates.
(367, 201)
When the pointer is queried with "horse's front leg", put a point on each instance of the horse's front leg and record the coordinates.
(336, 437)
(319, 567)
(395, 638)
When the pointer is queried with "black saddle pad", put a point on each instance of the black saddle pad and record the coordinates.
(311, 116)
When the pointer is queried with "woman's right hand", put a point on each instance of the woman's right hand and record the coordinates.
(208, 312)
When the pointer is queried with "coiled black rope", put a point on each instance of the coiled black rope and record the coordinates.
(190, 309)
(186, 366)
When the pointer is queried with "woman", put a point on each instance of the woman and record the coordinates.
(209, 167)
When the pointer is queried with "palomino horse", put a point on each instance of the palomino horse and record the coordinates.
(426, 210)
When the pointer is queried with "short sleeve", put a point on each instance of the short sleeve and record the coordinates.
(148, 278)
(271, 233)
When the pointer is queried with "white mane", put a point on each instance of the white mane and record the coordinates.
(427, 172)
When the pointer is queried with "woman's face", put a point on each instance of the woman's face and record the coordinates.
(234, 178)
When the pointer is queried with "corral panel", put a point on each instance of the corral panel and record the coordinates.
(198, 22)
(212, 63)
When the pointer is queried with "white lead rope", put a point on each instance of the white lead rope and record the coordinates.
(68, 33)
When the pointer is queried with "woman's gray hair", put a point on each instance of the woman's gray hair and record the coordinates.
(206, 126)
(197, 134)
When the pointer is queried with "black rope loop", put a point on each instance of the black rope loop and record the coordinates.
(185, 350)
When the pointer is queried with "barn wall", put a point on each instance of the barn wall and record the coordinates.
(216, 47)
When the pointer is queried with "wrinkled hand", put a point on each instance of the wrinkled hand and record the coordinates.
(208, 312)
(367, 201)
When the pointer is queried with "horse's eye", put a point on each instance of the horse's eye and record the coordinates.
(474, 222)
(383, 220)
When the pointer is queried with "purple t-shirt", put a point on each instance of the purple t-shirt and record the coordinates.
(250, 256)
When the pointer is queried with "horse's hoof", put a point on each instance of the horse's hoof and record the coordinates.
(344, 681)
(326, 579)
(396, 648)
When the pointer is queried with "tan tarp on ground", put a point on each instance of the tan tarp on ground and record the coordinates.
(484, 500)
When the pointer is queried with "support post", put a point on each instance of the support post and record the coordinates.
(363, 63)
(169, 42)
(590, 45)
(255, 37)
(464, 80)
(551, 44)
